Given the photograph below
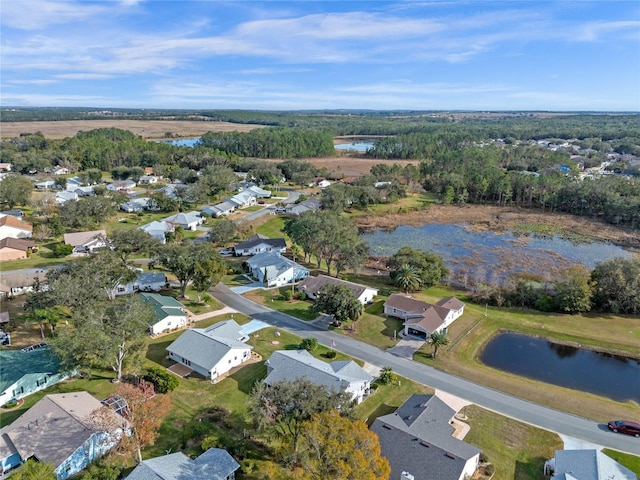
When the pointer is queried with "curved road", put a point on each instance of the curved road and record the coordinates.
(504, 404)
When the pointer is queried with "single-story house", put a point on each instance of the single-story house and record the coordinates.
(311, 204)
(274, 270)
(86, 242)
(23, 372)
(338, 376)
(243, 199)
(171, 190)
(59, 429)
(211, 351)
(148, 180)
(14, 212)
(158, 230)
(138, 205)
(12, 284)
(214, 464)
(219, 210)
(169, 313)
(312, 285)
(186, 220)
(121, 186)
(11, 226)
(46, 185)
(417, 441)
(144, 282)
(60, 171)
(588, 464)
(66, 196)
(322, 183)
(73, 183)
(5, 167)
(15, 248)
(86, 191)
(259, 243)
(257, 191)
(421, 318)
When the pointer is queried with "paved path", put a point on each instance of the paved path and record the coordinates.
(508, 405)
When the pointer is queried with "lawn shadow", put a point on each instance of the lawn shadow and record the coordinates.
(392, 327)
(382, 410)
(157, 353)
(534, 468)
(248, 375)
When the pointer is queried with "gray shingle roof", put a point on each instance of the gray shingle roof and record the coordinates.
(214, 464)
(254, 241)
(314, 284)
(589, 465)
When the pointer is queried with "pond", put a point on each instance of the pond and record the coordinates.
(599, 373)
(488, 257)
(356, 146)
(183, 142)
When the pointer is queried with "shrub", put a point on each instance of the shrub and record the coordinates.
(287, 295)
(331, 354)
(483, 457)
(10, 404)
(309, 344)
(163, 380)
(61, 250)
(489, 469)
(302, 296)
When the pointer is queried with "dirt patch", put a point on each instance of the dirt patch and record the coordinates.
(144, 128)
(499, 219)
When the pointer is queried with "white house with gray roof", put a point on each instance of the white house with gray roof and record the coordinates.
(312, 285)
(158, 230)
(274, 270)
(211, 351)
(214, 464)
(293, 365)
(587, 464)
(417, 441)
(259, 243)
(186, 220)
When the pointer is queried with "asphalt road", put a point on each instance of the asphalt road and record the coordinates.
(504, 404)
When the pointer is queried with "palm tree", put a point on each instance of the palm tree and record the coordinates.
(407, 278)
(438, 339)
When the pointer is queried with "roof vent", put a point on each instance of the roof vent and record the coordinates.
(387, 427)
(450, 455)
(425, 444)
(407, 476)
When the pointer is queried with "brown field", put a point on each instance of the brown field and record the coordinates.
(144, 128)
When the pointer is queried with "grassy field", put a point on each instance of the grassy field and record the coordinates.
(272, 298)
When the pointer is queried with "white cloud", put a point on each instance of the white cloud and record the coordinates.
(38, 14)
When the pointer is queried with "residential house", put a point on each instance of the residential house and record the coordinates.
(121, 186)
(243, 199)
(257, 191)
(311, 204)
(274, 270)
(46, 185)
(5, 167)
(171, 190)
(12, 284)
(86, 242)
(158, 230)
(219, 210)
(11, 227)
(312, 285)
(186, 220)
(23, 372)
(421, 319)
(60, 171)
(322, 182)
(340, 376)
(417, 441)
(60, 430)
(138, 205)
(212, 351)
(66, 196)
(148, 180)
(15, 248)
(214, 464)
(169, 313)
(14, 212)
(588, 464)
(73, 183)
(259, 243)
(144, 282)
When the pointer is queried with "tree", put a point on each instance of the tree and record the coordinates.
(430, 267)
(105, 335)
(331, 446)
(163, 380)
(144, 413)
(35, 470)
(101, 470)
(208, 272)
(185, 261)
(16, 190)
(222, 231)
(352, 256)
(386, 376)
(407, 279)
(128, 242)
(309, 344)
(339, 301)
(617, 286)
(574, 290)
(438, 339)
(284, 406)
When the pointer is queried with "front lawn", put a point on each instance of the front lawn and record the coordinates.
(273, 299)
(190, 300)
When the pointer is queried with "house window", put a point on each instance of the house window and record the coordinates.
(229, 360)
(235, 358)
(121, 289)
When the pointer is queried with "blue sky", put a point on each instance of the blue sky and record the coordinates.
(431, 55)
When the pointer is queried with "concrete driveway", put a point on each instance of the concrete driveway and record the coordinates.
(406, 347)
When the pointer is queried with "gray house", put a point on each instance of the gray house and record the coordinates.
(274, 270)
(417, 440)
(259, 243)
(292, 365)
(59, 430)
(586, 465)
(214, 464)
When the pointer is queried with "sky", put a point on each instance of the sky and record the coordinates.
(301, 55)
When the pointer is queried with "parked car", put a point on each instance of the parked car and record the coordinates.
(624, 426)
(281, 210)
(226, 251)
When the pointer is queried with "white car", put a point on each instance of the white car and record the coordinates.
(226, 251)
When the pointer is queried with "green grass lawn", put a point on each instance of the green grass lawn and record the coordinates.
(632, 462)
(272, 228)
(208, 303)
(272, 298)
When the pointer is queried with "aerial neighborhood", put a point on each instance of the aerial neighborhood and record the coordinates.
(226, 311)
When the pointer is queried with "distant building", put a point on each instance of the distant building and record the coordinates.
(11, 226)
(15, 248)
(86, 242)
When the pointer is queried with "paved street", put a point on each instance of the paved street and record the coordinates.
(563, 423)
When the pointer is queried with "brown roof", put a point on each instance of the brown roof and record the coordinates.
(314, 284)
(19, 280)
(21, 244)
(452, 303)
(428, 316)
(432, 318)
(80, 238)
(52, 429)
(12, 221)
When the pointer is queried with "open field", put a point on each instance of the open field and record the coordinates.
(144, 128)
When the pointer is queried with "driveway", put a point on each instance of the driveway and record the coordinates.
(406, 347)
(247, 288)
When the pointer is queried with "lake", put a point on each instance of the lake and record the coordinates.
(488, 257)
(356, 146)
(183, 142)
(599, 373)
